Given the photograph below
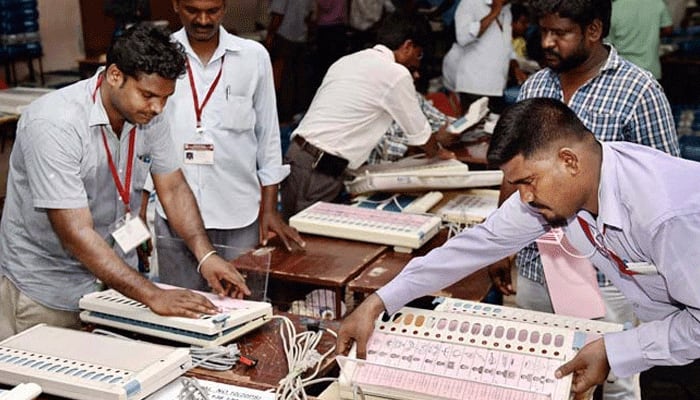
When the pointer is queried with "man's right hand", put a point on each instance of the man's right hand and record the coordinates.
(499, 272)
(359, 326)
(181, 303)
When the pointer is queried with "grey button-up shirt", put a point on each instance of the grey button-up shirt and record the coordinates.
(59, 162)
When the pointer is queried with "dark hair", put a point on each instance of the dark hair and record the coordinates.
(517, 10)
(532, 125)
(398, 27)
(147, 49)
(583, 12)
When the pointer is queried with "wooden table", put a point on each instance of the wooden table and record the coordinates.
(265, 345)
(390, 263)
(325, 263)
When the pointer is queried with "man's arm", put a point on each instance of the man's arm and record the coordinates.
(500, 271)
(275, 22)
(508, 229)
(183, 216)
(269, 157)
(496, 7)
(74, 228)
(271, 220)
(358, 326)
(470, 26)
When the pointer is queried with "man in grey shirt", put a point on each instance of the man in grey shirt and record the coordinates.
(81, 154)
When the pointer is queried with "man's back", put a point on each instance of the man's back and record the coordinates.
(359, 97)
(635, 31)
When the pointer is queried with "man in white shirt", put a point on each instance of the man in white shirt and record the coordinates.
(478, 62)
(224, 122)
(358, 99)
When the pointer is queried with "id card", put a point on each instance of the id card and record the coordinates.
(643, 268)
(199, 153)
(130, 232)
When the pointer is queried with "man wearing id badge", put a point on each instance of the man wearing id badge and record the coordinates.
(224, 124)
(633, 211)
(78, 165)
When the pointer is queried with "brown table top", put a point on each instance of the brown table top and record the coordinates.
(265, 345)
(390, 263)
(325, 261)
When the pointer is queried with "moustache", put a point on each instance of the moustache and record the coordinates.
(551, 53)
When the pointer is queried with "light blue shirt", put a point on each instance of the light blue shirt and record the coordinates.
(240, 120)
(649, 209)
(59, 161)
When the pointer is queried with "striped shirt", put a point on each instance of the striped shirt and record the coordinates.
(622, 103)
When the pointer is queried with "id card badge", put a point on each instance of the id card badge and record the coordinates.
(199, 153)
(643, 268)
(129, 232)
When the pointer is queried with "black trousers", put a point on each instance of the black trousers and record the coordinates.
(672, 383)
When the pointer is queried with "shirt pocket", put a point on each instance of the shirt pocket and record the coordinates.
(239, 115)
(142, 167)
(604, 125)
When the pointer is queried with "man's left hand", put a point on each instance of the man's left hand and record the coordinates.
(272, 221)
(590, 368)
(223, 278)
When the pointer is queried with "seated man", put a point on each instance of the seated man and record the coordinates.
(359, 97)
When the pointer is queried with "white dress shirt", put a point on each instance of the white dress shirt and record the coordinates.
(361, 94)
(479, 65)
(240, 120)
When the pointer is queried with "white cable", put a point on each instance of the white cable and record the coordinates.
(589, 255)
(220, 358)
(301, 353)
(105, 332)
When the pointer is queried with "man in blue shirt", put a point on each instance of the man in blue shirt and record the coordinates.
(643, 204)
(78, 165)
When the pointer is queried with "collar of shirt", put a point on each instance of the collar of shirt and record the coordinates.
(610, 210)
(226, 43)
(385, 51)
(98, 114)
(612, 63)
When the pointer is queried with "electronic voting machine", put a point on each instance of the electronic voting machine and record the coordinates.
(86, 366)
(404, 231)
(419, 173)
(467, 350)
(111, 308)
